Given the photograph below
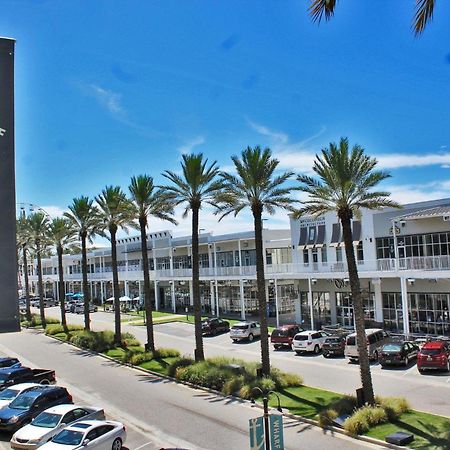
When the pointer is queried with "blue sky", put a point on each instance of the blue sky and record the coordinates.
(106, 90)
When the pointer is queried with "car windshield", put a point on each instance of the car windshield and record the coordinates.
(392, 348)
(8, 394)
(22, 402)
(332, 340)
(47, 420)
(431, 351)
(68, 437)
(239, 327)
(282, 333)
(301, 337)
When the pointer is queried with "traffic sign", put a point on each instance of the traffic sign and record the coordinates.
(256, 427)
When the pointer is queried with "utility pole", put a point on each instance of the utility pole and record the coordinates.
(9, 304)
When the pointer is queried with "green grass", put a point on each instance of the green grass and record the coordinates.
(158, 365)
(116, 353)
(430, 432)
(305, 401)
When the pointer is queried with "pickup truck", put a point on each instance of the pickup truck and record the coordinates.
(15, 375)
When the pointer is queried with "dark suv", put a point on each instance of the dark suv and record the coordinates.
(215, 326)
(283, 336)
(26, 406)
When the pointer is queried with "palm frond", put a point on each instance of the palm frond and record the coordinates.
(423, 15)
(320, 8)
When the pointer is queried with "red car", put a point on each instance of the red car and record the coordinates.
(283, 336)
(434, 355)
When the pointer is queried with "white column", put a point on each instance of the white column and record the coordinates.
(102, 292)
(126, 287)
(217, 298)
(174, 308)
(276, 303)
(376, 283)
(215, 261)
(405, 308)
(241, 294)
(298, 309)
(240, 257)
(90, 287)
(156, 296)
(210, 259)
(310, 302)
(212, 298)
(191, 293)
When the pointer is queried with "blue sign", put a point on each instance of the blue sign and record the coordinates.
(256, 427)
(276, 432)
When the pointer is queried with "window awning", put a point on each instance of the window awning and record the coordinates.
(303, 236)
(336, 235)
(356, 232)
(320, 241)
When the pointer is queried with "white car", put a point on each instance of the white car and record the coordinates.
(89, 434)
(50, 422)
(9, 394)
(309, 341)
(79, 308)
(245, 330)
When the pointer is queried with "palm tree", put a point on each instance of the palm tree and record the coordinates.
(23, 242)
(115, 211)
(38, 229)
(197, 185)
(422, 16)
(148, 202)
(61, 234)
(256, 187)
(346, 180)
(83, 216)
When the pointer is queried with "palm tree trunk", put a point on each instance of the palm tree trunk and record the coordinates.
(118, 331)
(358, 308)
(40, 284)
(87, 320)
(61, 293)
(27, 283)
(150, 346)
(199, 352)
(261, 290)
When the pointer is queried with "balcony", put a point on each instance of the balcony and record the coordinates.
(416, 263)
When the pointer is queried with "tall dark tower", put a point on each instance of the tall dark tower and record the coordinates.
(9, 306)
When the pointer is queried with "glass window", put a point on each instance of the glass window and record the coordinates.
(305, 256)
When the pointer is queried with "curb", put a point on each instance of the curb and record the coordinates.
(313, 422)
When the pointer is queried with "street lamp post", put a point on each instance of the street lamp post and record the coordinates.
(265, 399)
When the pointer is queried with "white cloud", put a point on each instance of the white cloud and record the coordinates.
(108, 99)
(419, 192)
(190, 145)
(53, 211)
(277, 136)
(397, 160)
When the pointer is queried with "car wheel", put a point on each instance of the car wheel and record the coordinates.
(448, 365)
(277, 347)
(44, 381)
(117, 444)
(235, 340)
(325, 354)
(298, 353)
(250, 337)
(406, 361)
(316, 349)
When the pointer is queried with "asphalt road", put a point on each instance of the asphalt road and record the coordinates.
(429, 392)
(163, 413)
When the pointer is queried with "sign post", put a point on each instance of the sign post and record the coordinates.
(276, 432)
(256, 427)
(258, 433)
(9, 305)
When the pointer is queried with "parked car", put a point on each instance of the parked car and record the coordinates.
(49, 302)
(31, 403)
(245, 331)
(15, 375)
(215, 326)
(376, 338)
(398, 353)
(9, 362)
(434, 355)
(333, 345)
(9, 394)
(34, 302)
(79, 308)
(70, 305)
(309, 341)
(98, 434)
(50, 422)
(283, 336)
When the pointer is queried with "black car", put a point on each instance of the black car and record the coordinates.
(398, 353)
(9, 362)
(26, 406)
(333, 345)
(215, 326)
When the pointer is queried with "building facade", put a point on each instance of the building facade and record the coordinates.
(403, 258)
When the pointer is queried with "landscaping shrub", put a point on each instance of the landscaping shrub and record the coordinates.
(285, 380)
(233, 385)
(364, 419)
(326, 417)
(36, 321)
(53, 329)
(179, 364)
(140, 358)
(130, 343)
(96, 341)
(394, 407)
(166, 353)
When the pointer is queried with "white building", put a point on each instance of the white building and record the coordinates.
(403, 261)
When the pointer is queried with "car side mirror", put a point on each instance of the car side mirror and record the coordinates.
(86, 442)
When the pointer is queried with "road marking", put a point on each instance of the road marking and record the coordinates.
(144, 445)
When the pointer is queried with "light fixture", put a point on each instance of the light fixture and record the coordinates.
(410, 281)
(313, 281)
(346, 280)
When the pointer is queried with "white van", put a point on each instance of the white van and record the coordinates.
(376, 338)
